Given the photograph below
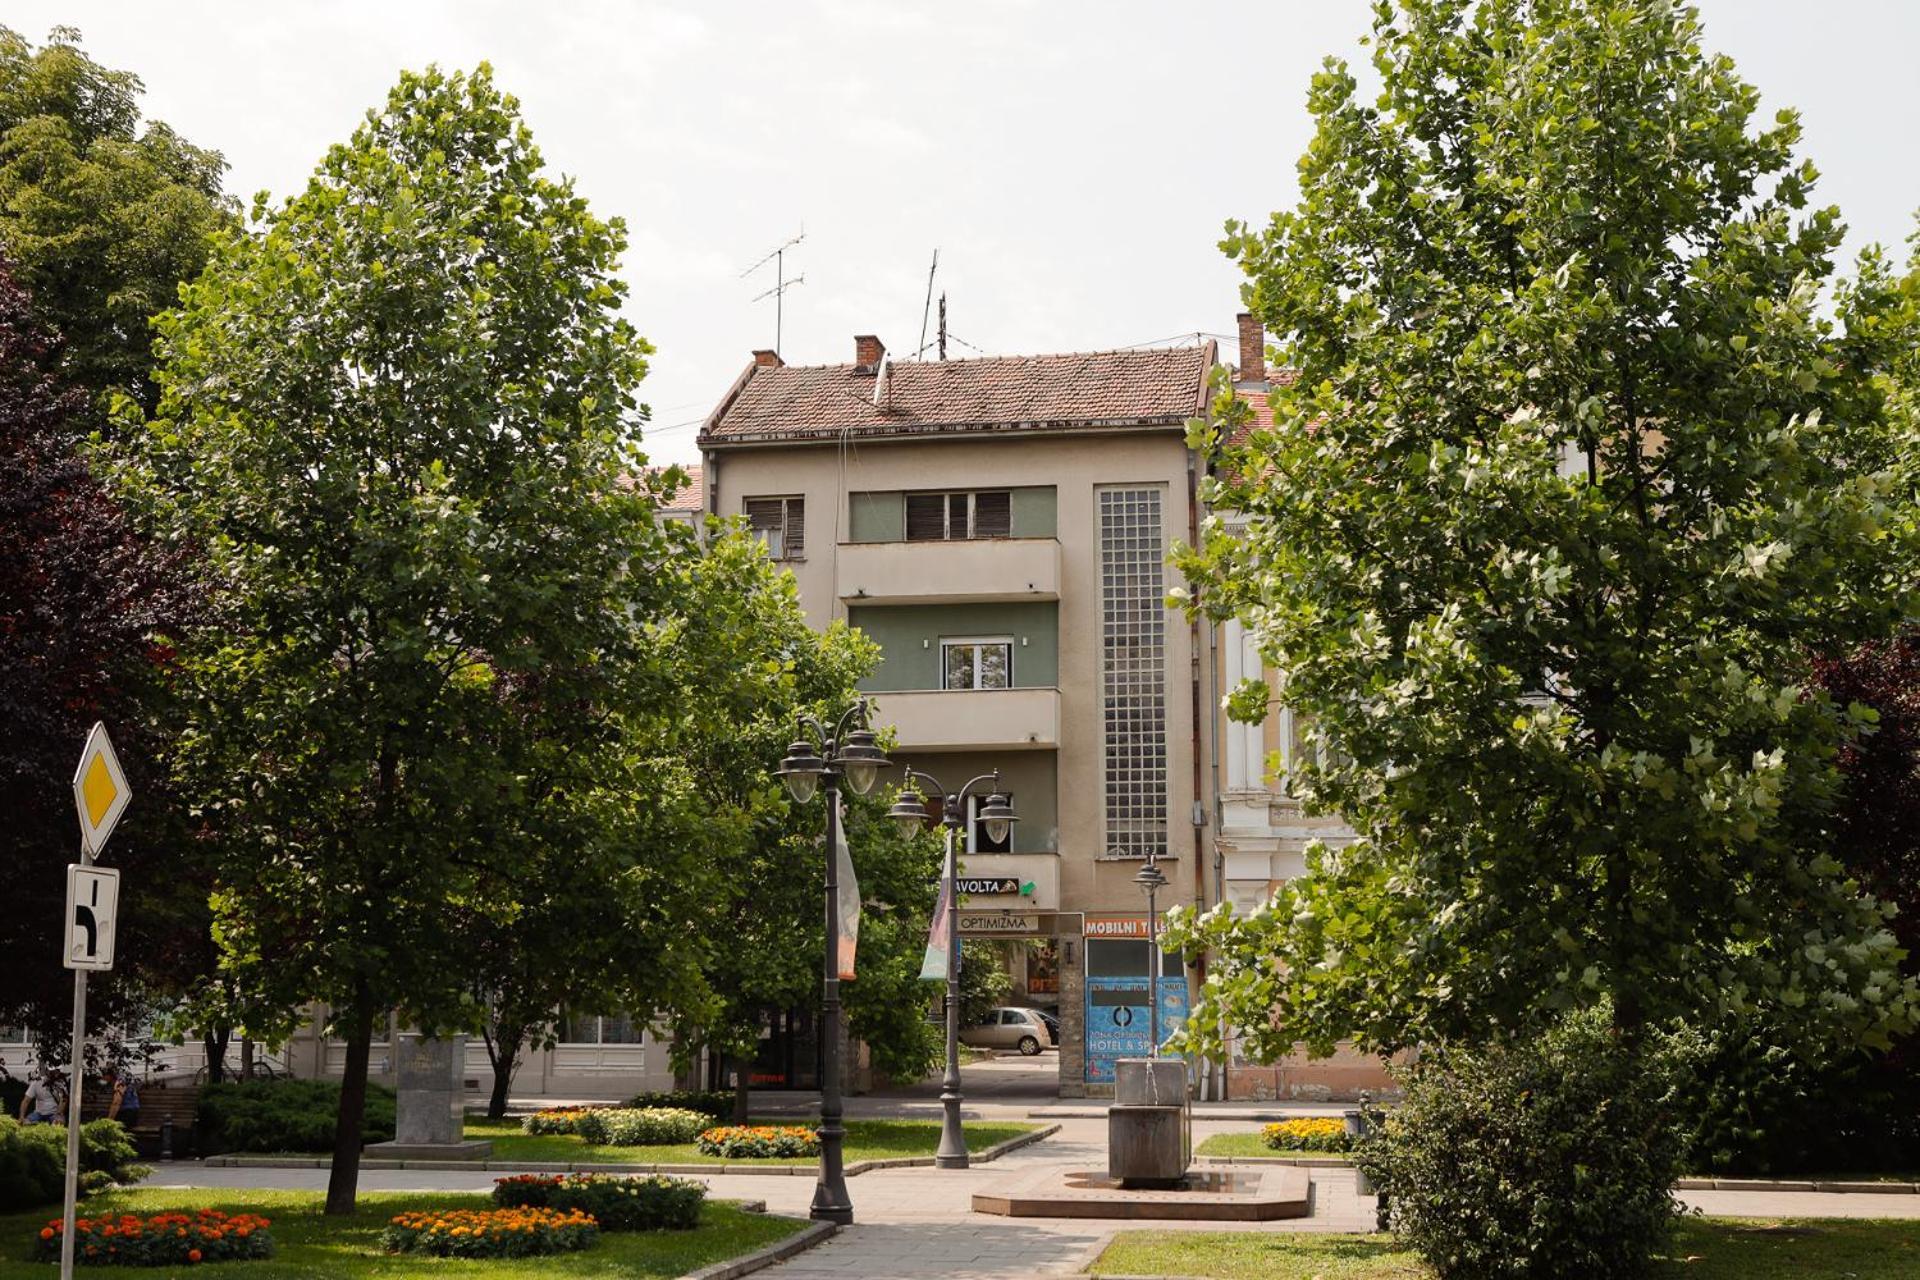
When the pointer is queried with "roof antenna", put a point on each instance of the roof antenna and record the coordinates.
(781, 284)
(943, 326)
(921, 350)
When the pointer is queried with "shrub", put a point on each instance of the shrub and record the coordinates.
(759, 1142)
(1318, 1133)
(1548, 1158)
(617, 1202)
(646, 1127)
(162, 1240)
(554, 1120)
(717, 1103)
(33, 1161)
(283, 1115)
(489, 1233)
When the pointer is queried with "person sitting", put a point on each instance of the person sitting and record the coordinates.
(125, 1106)
(45, 1101)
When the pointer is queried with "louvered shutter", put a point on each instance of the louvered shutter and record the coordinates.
(926, 517)
(767, 518)
(993, 514)
(796, 528)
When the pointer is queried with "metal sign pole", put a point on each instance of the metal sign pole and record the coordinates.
(74, 1090)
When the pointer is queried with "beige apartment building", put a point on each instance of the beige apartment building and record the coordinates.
(1001, 528)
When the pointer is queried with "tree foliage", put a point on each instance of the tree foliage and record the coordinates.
(85, 608)
(102, 217)
(1577, 478)
(398, 426)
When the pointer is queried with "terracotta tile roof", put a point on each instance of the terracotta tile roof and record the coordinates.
(1261, 406)
(693, 494)
(1024, 393)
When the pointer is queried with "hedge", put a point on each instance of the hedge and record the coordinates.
(33, 1161)
(649, 1127)
(617, 1202)
(283, 1115)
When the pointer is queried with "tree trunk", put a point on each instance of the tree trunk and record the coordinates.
(742, 1082)
(214, 1041)
(504, 1054)
(246, 1059)
(343, 1181)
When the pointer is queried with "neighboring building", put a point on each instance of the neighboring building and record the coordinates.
(1263, 834)
(687, 504)
(1001, 528)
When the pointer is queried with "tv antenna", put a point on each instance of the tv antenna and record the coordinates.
(920, 351)
(778, 257)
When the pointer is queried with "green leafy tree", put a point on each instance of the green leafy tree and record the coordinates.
(398, 425)
(1576, 478)
(103, 217)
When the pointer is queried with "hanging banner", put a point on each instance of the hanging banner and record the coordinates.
(847, 893)
(933, 966)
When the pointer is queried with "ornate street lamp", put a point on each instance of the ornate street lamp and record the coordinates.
(855, 757)
(1151, 880)
(997, 816)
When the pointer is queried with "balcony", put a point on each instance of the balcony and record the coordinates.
(989, 569)
(969, 719)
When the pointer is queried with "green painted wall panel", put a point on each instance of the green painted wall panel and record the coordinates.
(909, 639)
(880, 516)
(1033, 512)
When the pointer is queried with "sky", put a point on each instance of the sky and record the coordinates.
(1071, 160)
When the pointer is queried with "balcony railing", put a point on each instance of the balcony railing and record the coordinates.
(969, 719)
(989, 569)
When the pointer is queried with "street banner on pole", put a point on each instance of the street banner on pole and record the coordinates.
(847, 891)
(933, 966)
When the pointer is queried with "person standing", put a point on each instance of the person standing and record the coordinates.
(46, 1099)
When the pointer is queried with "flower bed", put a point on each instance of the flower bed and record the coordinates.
(554, 1120)
(1318, 1133)
(759, 1142)
(640, 1127)
(617, 1202)
(490, 1233)
(162, 1240)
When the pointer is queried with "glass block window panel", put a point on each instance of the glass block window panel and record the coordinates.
(1133, 636)
(977, 664)
(780, 523)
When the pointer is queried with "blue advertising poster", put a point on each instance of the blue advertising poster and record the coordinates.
(1117, 1020)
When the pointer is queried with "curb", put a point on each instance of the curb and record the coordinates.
(760, 1259)
(1305, 1162)
(1772, 1184)
(593, 1166)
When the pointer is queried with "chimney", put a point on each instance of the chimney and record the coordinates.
(867, 351)
(767, 360)
(1253, 349)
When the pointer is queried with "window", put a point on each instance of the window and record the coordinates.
(976, 664)
(948, 517)
(590, 1028)
(977, 839)
(780, 523)
(1133, 637)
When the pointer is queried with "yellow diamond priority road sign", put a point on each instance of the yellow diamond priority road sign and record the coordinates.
(100, 791)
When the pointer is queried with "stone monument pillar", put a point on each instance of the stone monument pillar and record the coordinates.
(431, 1104)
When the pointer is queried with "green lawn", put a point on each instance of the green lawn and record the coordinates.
(310, 1245)
(1705, 1249)
(1251, 1144)
(866, 1140)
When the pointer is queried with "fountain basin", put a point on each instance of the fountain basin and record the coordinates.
(1249, 1195)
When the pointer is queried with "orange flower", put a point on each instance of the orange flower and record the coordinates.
(193, 1255)
(46, 1233)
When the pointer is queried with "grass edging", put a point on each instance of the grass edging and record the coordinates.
(760, 1259)
(761, 1168)
(1684, 1184)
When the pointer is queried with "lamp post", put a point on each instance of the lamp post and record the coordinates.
(855, 757)
(1151, 880)
(910, 811)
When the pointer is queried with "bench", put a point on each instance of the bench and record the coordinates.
(158, 1105)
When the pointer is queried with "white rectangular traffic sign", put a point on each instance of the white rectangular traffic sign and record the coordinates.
(93, 911)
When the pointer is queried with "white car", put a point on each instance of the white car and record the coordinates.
(1010, 1028)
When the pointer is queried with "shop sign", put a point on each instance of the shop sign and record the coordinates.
(995, 884)
(1117, 927)
(1019, 924)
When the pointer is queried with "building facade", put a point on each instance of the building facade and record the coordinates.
(1001, 528)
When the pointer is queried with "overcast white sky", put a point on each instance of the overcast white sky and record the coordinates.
(1072, 161)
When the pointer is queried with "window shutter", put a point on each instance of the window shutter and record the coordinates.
(766, 517)
(926, 517)
(957, 515)
(796, 528)
(993, 514)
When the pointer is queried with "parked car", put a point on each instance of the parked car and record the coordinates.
(1022, 1029)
